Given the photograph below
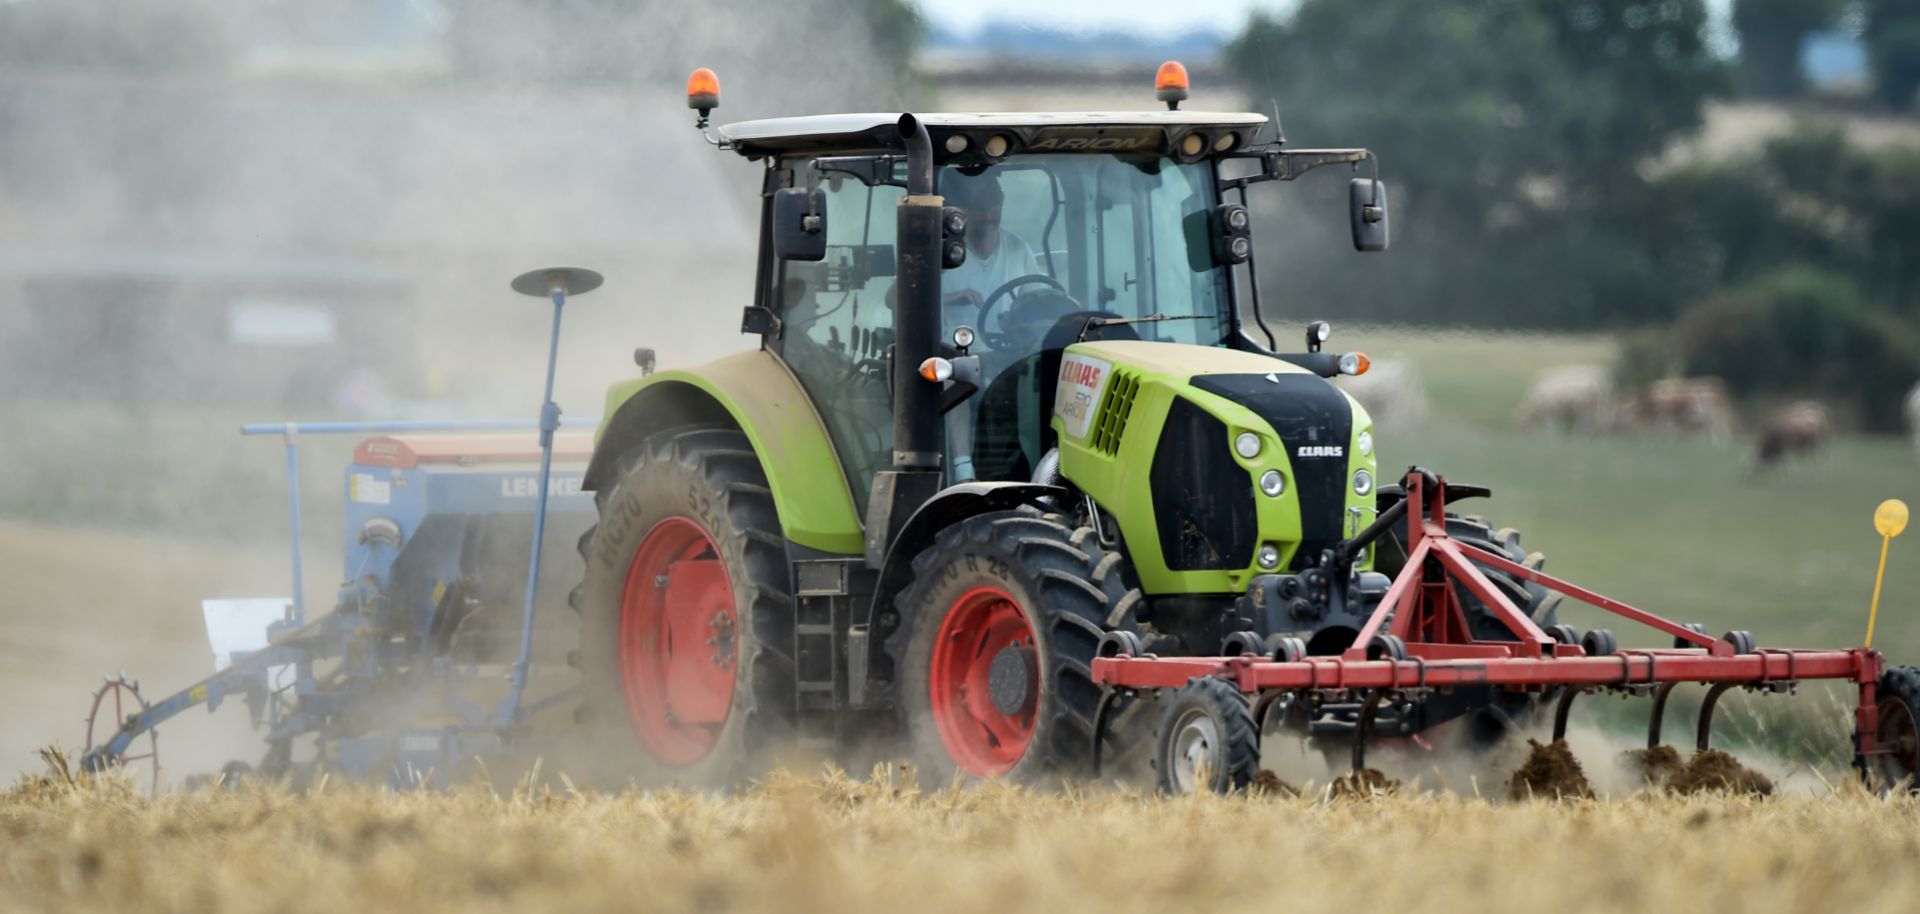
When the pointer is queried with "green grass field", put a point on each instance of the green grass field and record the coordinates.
(1677, 527)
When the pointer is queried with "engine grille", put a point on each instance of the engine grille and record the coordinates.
(1306, 411)
(1111, 423)
(1203, 504)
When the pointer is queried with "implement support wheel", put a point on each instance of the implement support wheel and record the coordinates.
(1897, 701)
(1207, 740)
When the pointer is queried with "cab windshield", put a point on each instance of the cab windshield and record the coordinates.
(1053, 240)
(1124, 235)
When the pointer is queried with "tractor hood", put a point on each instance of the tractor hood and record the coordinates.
(1218, 464)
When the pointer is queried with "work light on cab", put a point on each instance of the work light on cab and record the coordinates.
(1170, 84)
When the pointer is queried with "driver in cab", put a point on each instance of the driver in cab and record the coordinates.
(995, 256)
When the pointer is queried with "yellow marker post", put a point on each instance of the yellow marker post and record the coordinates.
(1890, 518)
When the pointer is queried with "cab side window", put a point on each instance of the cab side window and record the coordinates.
(837, 322)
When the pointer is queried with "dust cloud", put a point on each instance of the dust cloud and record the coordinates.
(218, 211)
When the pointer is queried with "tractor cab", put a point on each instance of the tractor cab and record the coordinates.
(1055, 247)
(1056, 229)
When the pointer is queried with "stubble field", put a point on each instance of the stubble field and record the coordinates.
(833, 844)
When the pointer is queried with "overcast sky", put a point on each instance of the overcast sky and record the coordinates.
(1145, 16)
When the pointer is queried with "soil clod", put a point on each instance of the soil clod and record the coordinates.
(1715, 770)
(1268, 782)
(1366, 782)
(1657, 765)
(1550, 771)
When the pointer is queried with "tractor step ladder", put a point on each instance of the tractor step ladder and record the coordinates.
(826, 593)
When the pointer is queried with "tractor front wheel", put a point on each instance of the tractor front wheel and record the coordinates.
(993, 656)
(1503, 713)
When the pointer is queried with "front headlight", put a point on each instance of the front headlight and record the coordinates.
(1362, 482)
(1365, 444)
(1272, 483)
(1247, 445)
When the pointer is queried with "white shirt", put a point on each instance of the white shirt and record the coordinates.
(1011, 259)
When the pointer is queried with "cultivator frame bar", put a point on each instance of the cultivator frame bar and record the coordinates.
(1417, 641)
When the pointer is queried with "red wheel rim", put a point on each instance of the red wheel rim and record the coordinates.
(984, 739)
(679, 641)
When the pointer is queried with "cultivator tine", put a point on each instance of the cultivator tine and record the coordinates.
(1108, 697)
(1704, 735)
(1364, 731)
(1659, 713)
(1263, 706)
(1561, 709)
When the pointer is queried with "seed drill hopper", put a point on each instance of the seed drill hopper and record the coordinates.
(428, 658)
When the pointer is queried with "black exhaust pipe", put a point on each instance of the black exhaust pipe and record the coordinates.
(919, 155)
(919, 435)
(917, 430)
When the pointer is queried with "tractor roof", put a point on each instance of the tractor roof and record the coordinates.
(875, 131)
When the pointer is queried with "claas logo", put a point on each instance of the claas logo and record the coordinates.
(1080, 373)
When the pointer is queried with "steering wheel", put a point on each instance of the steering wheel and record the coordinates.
(994, 338)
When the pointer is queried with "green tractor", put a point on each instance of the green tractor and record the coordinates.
(1011, 403)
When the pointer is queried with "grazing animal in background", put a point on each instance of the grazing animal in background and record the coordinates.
(1569, 398)
(1913, 416)
(1800, 430)
(1392, 393)
(1691, 406)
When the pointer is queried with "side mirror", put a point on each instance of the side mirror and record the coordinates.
(1367, 201)
(800, 223)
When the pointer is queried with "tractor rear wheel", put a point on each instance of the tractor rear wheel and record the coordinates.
(993, 656)
(685, 617)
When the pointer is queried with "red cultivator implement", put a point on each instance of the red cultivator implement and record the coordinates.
(1417, 643)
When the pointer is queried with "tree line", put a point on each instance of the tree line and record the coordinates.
(1531, 149)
